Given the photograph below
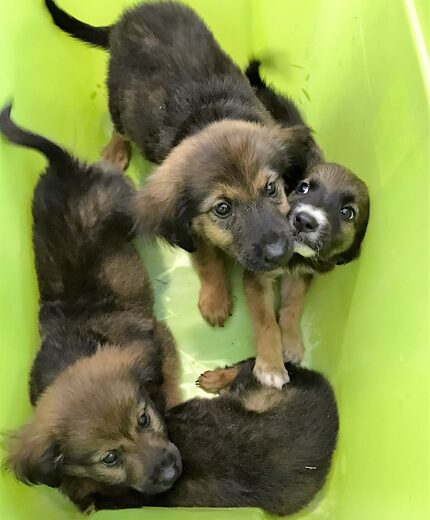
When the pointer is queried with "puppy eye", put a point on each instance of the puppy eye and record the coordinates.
(110, 459)
(144, 420)
(348, 213)
(222, 209)
(303, 187)
(271, 189)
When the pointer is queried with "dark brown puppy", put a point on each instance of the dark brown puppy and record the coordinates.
(253, 446)
(329, 211)
(181, 99)
(97, 384)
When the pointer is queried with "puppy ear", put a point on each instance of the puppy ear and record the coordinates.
(166, 208)
(34, 456)
(301, 152)
(354, 251)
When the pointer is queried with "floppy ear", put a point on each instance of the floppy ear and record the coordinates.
(150, 378)
(301, 152)
(165, 208)
(34, 456)
(354, 251)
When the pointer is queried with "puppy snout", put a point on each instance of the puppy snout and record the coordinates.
(304, 221)
(168, 470)
(169, 475)
(166, 474)
(277, 252)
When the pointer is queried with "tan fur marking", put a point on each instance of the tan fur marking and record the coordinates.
(205, 228)
(293, 290)
(263, 399)
(216, 380)
(117, 151)
(269, 365)
(215, 299)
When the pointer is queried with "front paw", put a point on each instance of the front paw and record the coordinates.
(292, 346)
(275, 376)
(216, 380)
(215, 306)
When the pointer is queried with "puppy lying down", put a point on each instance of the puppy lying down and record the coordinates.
(105, 368)
(253, 446)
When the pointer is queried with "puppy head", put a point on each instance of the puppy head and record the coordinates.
(97, 425)
(329, 211)
(224, 185)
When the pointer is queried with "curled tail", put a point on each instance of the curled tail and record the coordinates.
(54, 153)
(281, 107)
(252, 72)
(97, 36)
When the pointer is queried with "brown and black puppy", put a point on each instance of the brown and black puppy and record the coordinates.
(97, 384)
(253, 446)
(182, 100)
(328, 213)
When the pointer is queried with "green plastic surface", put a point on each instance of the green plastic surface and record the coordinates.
(360, 71)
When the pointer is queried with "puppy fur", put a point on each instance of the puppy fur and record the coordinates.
(98, 384)
(328, 214)
(182, 100)
(253, 446)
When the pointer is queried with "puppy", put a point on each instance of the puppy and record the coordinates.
(182, 100)
(98, 384)
(253, 446)
(328, 213)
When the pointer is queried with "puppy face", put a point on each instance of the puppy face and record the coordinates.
(225, 186)
(329, 211)
(96, 424)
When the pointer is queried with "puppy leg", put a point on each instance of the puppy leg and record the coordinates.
(117, 151)
(230, 378)
(218, 379)
(293, 291)
(215, 300)
(269, 366)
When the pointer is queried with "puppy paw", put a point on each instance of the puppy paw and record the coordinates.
(216, 380)
(274, 376)
(293, 348)
(117, 152)
(91, 509)
(215, 306)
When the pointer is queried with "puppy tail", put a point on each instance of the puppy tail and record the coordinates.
(252, 72)
(17, 135)
(96, 36)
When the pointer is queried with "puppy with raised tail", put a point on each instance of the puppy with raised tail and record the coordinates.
(106, 369)
(182, 100)
(328, 214)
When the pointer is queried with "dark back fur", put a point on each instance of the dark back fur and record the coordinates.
(168, 77)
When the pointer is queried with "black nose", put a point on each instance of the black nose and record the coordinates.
(276, 252)
(169, 475)
(304, 221)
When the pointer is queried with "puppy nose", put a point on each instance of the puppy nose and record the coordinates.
(275, 252)
(169, 475)
(304, 221)
(166, 475)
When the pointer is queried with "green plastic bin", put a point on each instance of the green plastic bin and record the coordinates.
(360, 71)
